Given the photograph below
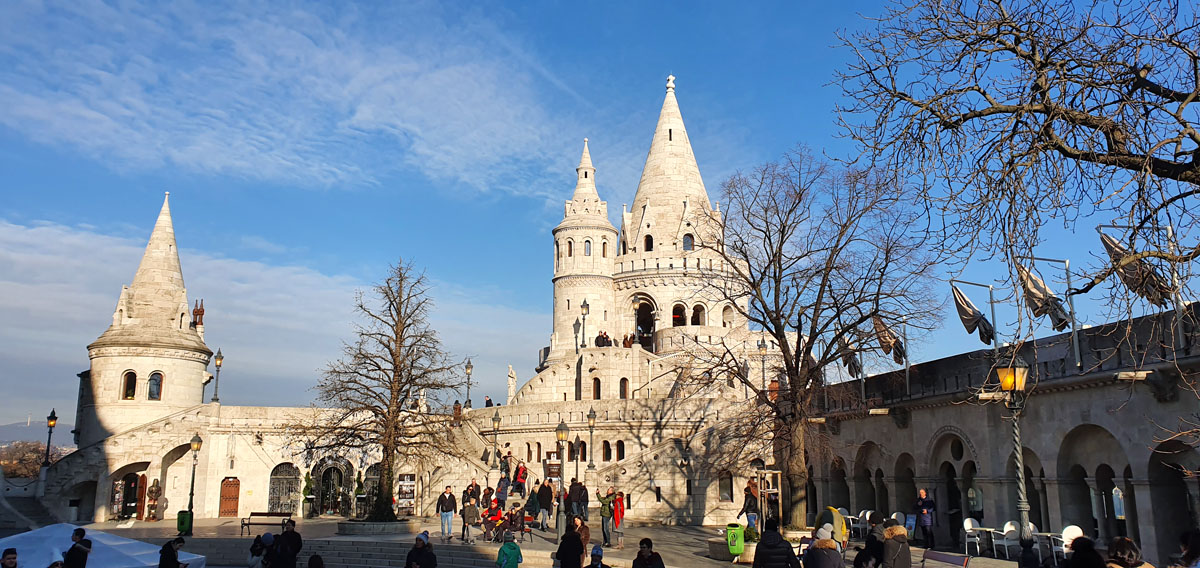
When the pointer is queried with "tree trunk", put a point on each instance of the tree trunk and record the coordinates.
(382, 510)
(795, 470)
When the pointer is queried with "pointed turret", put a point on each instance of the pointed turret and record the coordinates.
(585, 184)
(670, 175)
(153, 309)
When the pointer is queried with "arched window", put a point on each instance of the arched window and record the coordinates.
(678, 316)
(557, 253)
(698, 315)
(570, 249)
(154, 386)
(582, 451)
(689, 242)
(604, 249)
(129, 386)
(624, 248)
(539, 448)
(620, 450)
(587, 248)
(528, 452)
(725, 485)
(727, 317)
(649, 244)
(606, 451)
(570, 449)
(624, 388)
(595, 389)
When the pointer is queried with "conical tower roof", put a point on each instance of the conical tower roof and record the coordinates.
(153, 310)
(670, 175)
(585, 183)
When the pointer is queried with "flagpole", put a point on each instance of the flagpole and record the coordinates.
(907, 364)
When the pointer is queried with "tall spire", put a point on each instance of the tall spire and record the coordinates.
(585, 183)
(670, 175)
(153, 309)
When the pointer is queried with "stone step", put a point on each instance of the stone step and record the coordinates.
(33, 510)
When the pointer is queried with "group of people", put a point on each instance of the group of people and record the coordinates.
(280, 551)
(629, 340)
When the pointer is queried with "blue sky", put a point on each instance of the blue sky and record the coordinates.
(307, 146)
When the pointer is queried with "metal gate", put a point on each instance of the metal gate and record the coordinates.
(284, 491)
(230, 489)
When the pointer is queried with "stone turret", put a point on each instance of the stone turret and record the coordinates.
(584, 249)
(152, 360)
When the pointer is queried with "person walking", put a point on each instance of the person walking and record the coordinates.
(421, 555)
(646, 557)
(470, 517)
(749, 507)
(896, 552)
(606, 514)
(924, 509)
(446, 505)
(509, 555)
(773, 551)
(77, 555)
(570, 549)
(545, 497)
(168, 555)
(502, 492)
(579, 500)
(520, 476)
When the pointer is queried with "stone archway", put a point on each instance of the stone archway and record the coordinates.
(1175, 497)
(333, 478)
(1089, 455)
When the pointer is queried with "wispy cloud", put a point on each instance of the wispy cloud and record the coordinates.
(306, 96)
(277, 325)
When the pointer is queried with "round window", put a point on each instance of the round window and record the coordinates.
(956, 449)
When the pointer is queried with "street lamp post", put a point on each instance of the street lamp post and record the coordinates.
(495, 436)
(196, 443)
(1012, 382)
(470, 368)
(50, 422)
(584, 309)
(560, 521)
(591, 416)
(218, 359)
(762, 354)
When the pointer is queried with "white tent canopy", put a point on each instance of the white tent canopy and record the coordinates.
(39, 548)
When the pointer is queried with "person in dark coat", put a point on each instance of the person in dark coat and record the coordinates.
(287, 546)
(871, 553)
(749, 507)
(570, 549)
(168, 555)
(77, 555)
(421, 555)
(773, 551)
(545, 498)
(924, 509)
(646, 557)
(896, 552)
(1084, 554)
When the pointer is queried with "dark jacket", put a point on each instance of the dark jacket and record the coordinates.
(654, 561)
(287, 548)
(896, 553)
(570, 551)
(821, 553)
(749, 505)
(579, 494)
(447, 503)
(873, 547)
(774, 552)
(168, 557)
(545, 498)
(423, 557)
(924, 519)
(77, 555)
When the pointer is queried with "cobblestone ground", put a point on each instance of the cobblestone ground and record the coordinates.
(679, 546)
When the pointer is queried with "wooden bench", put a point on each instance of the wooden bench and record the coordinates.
(958, 560)
(264, 518)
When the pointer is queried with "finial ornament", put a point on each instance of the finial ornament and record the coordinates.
(670, 83)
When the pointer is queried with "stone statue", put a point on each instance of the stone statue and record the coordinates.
(512, 385)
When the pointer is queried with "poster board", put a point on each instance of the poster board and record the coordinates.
(406, 494)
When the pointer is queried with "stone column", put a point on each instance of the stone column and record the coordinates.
(1148, 529)
(995, 501)
(1097, 509)
(1053, 509)
(893, 500)
(1045, 499)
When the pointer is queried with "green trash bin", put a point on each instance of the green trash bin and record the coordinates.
(735, 536)
(183, 522)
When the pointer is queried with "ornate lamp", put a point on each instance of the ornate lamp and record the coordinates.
(469, 368)
(591, 416)
(218, 360)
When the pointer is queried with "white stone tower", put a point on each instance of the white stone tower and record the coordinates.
(152, 360)
(585, 245)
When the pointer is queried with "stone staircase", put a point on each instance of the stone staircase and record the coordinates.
(30, 513)
(341, 553)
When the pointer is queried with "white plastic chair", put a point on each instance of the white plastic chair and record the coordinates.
(900, 517)
(971, 535)
(1061, 543)
(863, 522)
(1010, 535)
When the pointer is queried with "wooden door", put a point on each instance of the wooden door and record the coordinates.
(141, 497)
(230, 489)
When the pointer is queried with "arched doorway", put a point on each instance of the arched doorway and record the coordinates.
(283, 492)
(1175, 496)
(954, 503)
(839, 490)
(332, 480)
(231, 488)
(906, 485)
(645, 324)
(1088, 456)
(132, 494)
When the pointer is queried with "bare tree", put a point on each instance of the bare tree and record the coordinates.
(1018, 114)
(814, 256)
(24, 459)
(376, 397)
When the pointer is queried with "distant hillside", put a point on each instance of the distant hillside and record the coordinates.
(36, 432)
